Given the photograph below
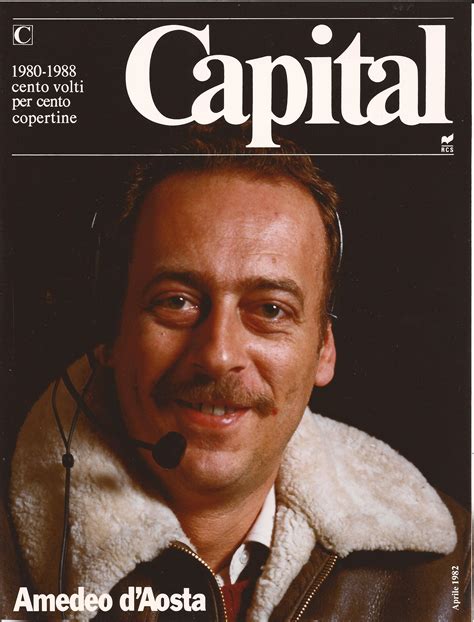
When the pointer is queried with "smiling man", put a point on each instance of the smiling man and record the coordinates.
(223, 330)
(222, 339)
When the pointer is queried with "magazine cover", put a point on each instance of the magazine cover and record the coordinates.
(235, 311)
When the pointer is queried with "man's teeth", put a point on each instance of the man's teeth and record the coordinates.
(210, 409)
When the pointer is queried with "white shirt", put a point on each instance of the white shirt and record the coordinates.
(260, 532)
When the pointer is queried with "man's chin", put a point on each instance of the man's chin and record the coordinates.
(208, 471)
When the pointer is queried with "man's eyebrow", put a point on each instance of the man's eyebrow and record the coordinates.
(187, 277)
(283, 284)
(199, 281)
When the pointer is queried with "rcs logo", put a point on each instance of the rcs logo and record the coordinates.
(446, 144)
(22, 34)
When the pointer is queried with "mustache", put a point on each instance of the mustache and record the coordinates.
(200, 389)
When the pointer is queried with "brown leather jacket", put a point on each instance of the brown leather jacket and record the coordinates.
(366, 586)
(384, 586)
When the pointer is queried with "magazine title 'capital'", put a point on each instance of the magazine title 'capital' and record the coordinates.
(301, 89)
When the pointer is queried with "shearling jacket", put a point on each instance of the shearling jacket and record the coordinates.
(359, 534)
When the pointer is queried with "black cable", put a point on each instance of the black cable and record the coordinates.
(76, 396)
(65, 537)
(55, 411)
(68, 461)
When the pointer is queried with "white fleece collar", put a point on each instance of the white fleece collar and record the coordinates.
(336, 485)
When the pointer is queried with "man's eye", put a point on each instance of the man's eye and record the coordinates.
(268, 317)
(176, 303)
(174, 308)
(271, 311)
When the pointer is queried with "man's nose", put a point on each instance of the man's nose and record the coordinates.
(219, 343)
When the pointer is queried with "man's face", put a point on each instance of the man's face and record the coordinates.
(220, 329)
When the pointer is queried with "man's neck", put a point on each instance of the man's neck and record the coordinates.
(217, 530)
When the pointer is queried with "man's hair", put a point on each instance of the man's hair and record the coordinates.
(214, 148)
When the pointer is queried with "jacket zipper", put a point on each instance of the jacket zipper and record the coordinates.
(185, 549)
(314, 587)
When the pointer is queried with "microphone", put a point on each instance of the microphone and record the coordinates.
(168, 451)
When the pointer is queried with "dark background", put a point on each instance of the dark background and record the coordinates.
(403, 305)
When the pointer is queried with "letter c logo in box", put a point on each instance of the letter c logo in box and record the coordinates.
(22, 34)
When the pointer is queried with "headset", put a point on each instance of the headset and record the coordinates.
(332, 302)
(168, 451)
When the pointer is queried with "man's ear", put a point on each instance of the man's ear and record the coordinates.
(327, 359)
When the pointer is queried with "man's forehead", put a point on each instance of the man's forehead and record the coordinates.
(229, 227)
(232, 193)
